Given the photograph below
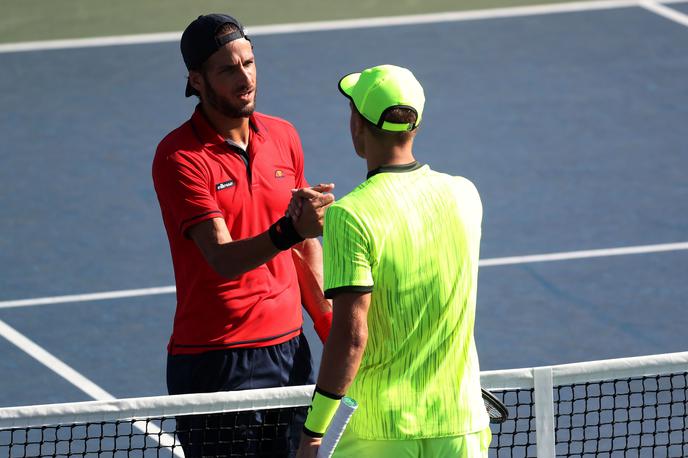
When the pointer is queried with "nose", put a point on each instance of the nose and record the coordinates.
(245, 74)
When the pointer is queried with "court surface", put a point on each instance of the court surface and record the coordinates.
(571, 124)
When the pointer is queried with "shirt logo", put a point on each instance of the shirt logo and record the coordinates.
(225, 185)
(279, 174)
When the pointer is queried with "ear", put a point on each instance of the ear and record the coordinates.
(357, 132)
(196, 80)
(356, 122)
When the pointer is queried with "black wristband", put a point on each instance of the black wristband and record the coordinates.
(310, 433)
(283, 234)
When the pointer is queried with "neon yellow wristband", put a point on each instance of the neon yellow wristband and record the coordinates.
(320, 413)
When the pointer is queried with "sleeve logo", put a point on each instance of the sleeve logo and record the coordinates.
(279, 174)
(225, 185)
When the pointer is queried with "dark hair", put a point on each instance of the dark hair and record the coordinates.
(400, 115)
(224, 29)
(396, 115)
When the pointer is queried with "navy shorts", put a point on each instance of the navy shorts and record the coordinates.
(286, 364)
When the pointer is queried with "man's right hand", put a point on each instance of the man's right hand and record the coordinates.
(307, 208)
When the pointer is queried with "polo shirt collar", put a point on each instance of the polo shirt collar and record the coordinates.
(410, 167)
(207, 134)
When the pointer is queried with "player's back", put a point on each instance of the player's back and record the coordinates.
(419, 234)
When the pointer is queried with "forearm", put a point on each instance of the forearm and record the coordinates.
(342, 354)
(237, 257)
(310, 254)
(308, 261)
(340, 361)
(231, 258)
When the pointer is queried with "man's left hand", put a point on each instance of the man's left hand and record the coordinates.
(298, 198)
(307, 209)
(308, 448)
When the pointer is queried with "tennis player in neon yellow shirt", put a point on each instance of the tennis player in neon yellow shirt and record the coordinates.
(401, 265)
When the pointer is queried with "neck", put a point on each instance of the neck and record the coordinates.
(396, 155)
(235, 129)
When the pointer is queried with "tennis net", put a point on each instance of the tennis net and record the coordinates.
(632, 407)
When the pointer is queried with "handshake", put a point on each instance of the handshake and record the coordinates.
(307, 209)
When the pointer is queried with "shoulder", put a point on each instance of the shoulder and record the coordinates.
(341, 212)
(273, 123)
(178, 141)
(457, 183)
(466, 187)
(179, 148)
(351, 209)
(466, 194)
(281, 134)
(355, 200)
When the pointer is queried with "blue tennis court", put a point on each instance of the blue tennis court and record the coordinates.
(572, 125)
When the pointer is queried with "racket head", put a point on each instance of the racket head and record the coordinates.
(495, 408)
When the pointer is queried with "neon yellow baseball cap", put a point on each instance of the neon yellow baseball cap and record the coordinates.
(376, 90)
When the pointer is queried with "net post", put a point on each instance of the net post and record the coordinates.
(544, 412)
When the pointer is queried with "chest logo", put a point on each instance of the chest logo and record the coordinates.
(225, 185)
(279, 174)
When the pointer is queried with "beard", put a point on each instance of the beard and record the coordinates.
(226, 107)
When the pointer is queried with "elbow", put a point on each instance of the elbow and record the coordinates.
(359, 339)
(351, 338)
(221, 268)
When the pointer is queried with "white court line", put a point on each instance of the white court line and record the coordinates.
(89, 297)
(318, 26)
(54, 364)
(78, 380)
(584, 254)
(483, 263)
(665, 11)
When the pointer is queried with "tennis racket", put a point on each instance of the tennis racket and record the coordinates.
(341, 418)
(495, 409)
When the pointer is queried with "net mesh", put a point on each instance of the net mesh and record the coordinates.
(515, 437)
(606, 416)
(262, 433)
(617, 418)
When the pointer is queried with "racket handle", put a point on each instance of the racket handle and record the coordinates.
(322, 324)
(341, 418)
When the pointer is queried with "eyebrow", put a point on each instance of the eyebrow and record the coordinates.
(233, 66)
(227, 66)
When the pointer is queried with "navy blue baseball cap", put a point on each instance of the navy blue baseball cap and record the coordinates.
(199, 41)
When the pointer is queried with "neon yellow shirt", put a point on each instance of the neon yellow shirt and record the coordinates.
(411, 236)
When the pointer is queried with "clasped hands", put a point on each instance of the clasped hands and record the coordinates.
(307, 208)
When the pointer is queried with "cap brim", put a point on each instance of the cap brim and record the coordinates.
(347, 84)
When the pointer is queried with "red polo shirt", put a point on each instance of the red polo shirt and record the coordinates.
(199, 176)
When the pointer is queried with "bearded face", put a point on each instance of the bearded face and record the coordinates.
(227, 82)
(241, 105)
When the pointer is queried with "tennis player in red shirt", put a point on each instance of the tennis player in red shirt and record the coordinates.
(224, 180)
